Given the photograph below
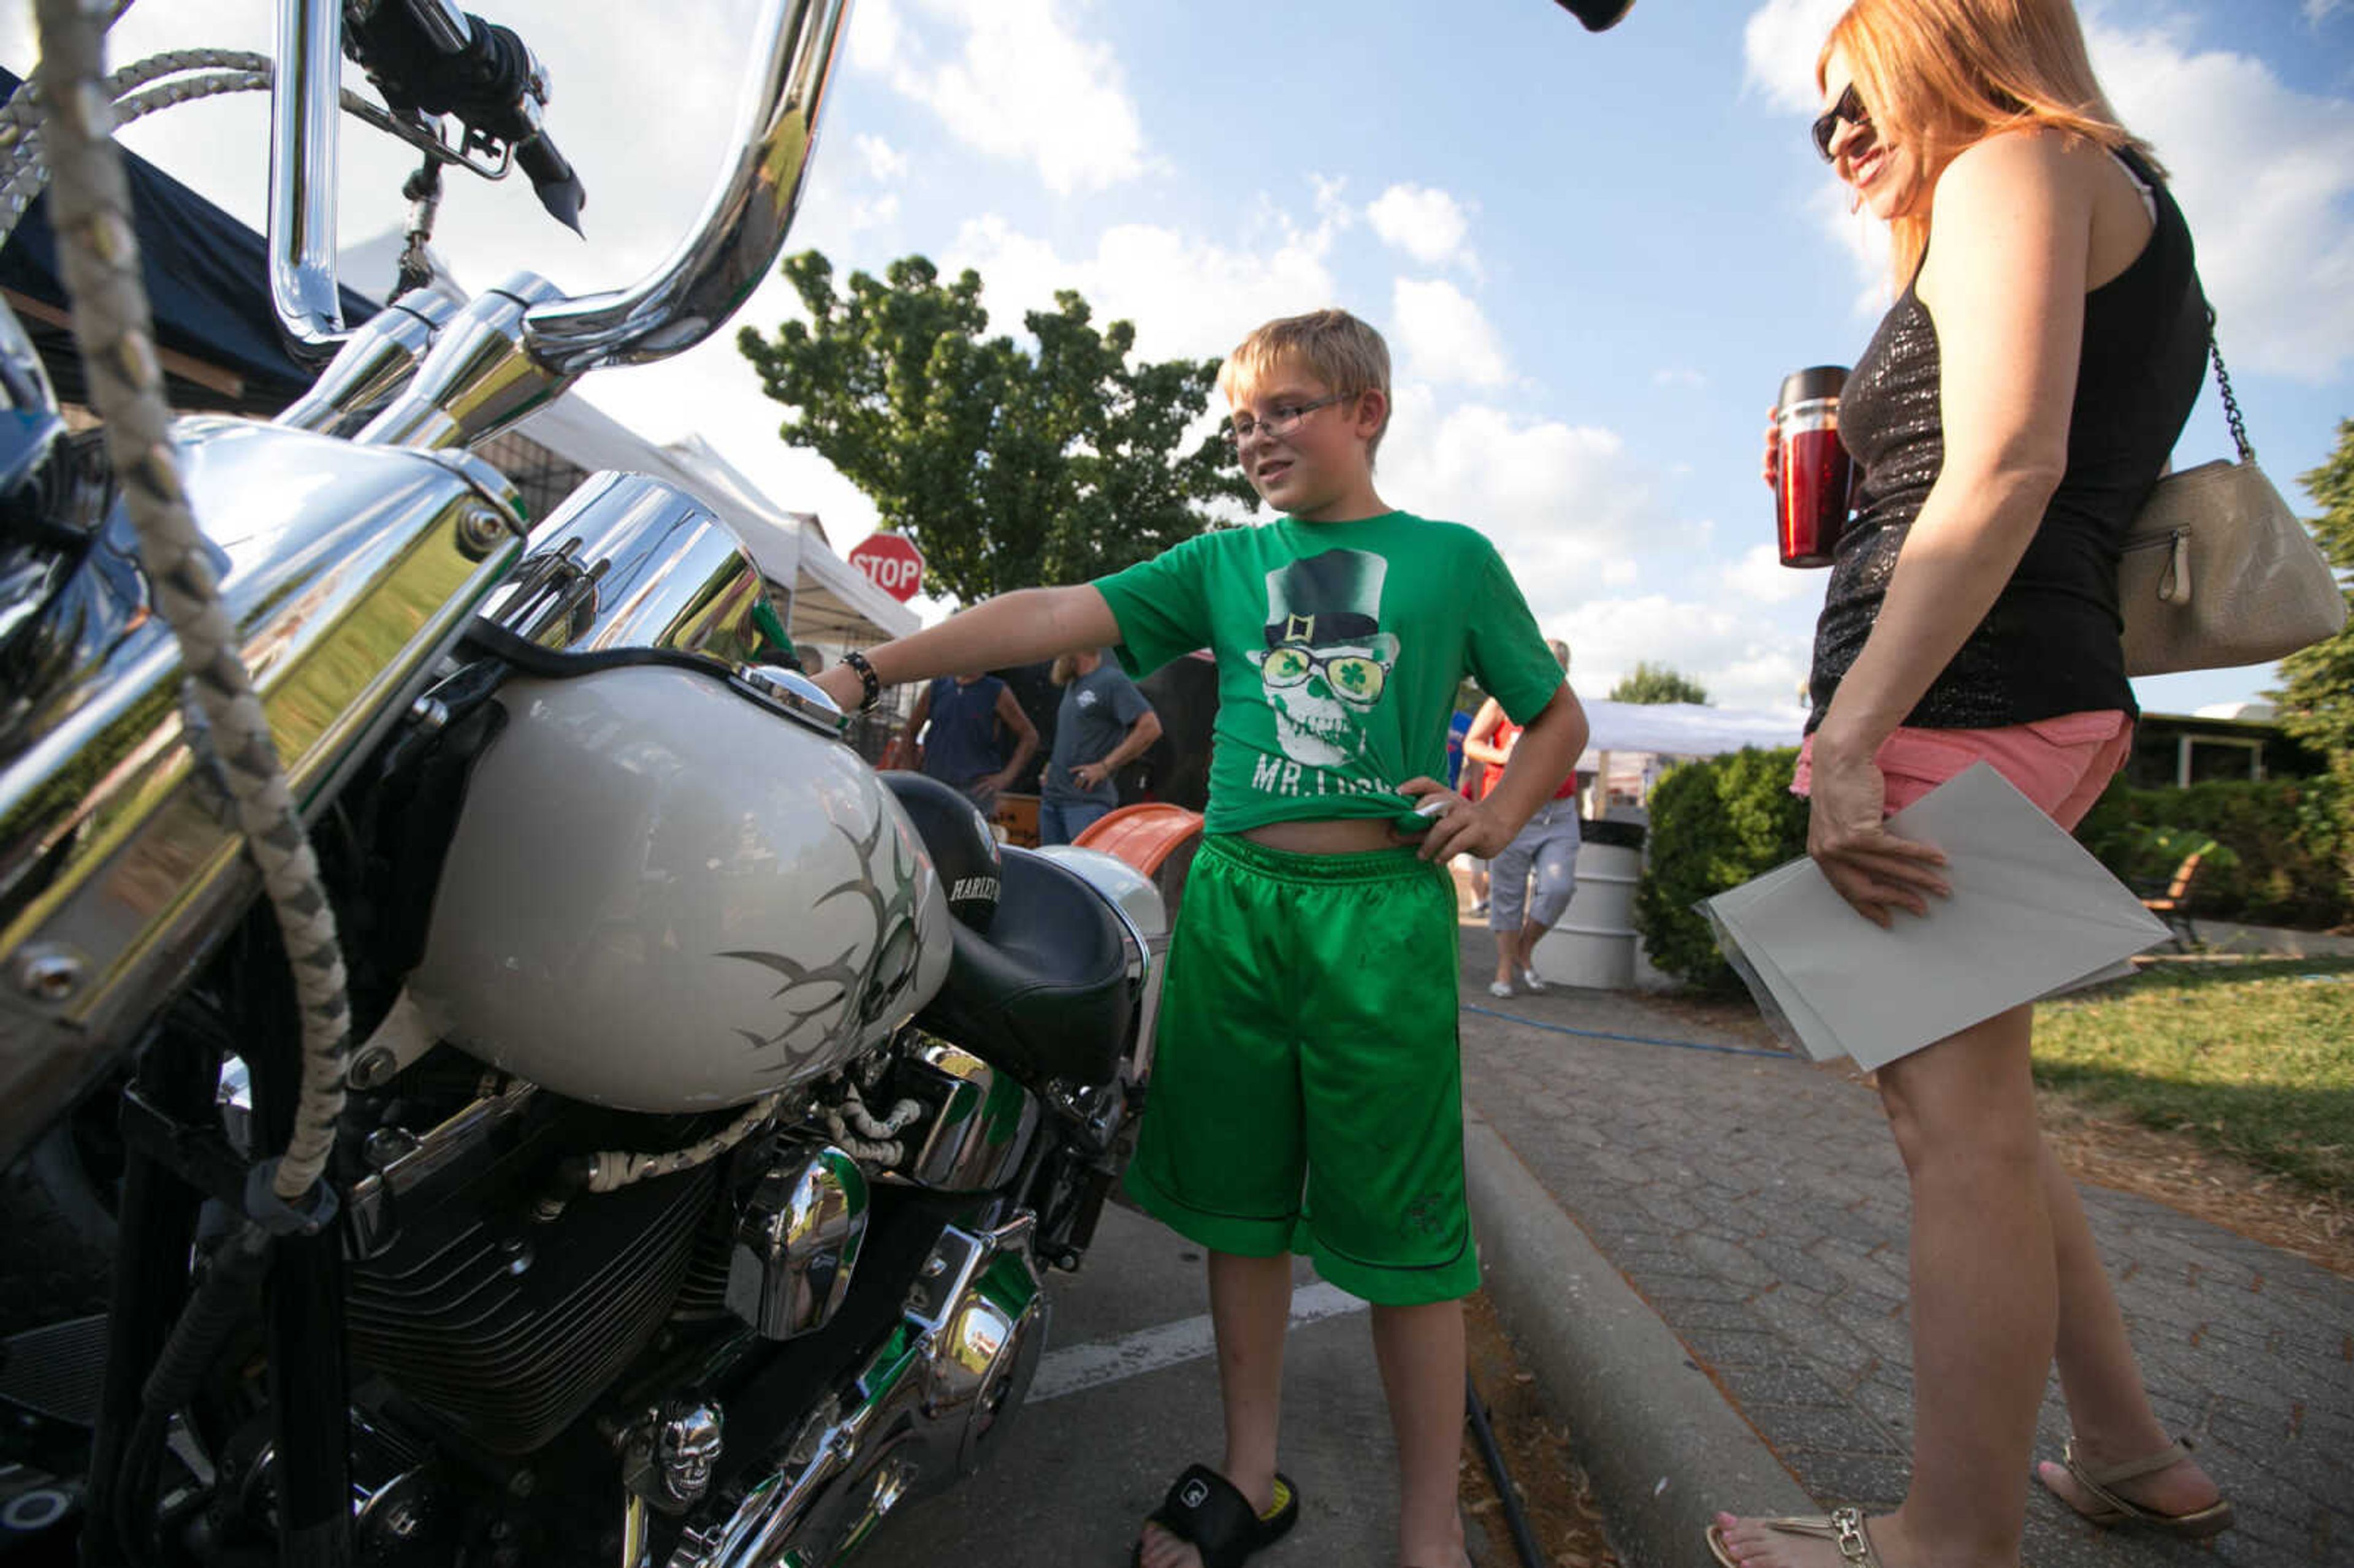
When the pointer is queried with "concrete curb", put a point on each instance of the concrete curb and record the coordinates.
(1664, 1446)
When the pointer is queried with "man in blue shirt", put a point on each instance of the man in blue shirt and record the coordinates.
(963, 747)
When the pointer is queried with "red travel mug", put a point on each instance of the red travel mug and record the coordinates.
(1810, 499)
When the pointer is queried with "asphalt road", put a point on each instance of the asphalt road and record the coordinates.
(1127, 1396)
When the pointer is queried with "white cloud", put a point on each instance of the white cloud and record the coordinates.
(1427, 224)
(2315, 10)
(2266, 177)
(1679, 376)
(883, 161)
(1760, 577)
(1011, 79)
(1332, 200)
(1738, 660)
(1778, 48)
(1443, 335)
(1187, 295)
(1556, 498)
(872, 212)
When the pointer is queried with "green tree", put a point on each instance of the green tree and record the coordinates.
(1009, 469)
(1657, 683)
(2317, 695)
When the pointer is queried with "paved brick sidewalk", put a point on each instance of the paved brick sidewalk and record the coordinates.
(1757, 1202)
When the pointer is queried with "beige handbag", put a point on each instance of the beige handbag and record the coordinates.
(2216, 571)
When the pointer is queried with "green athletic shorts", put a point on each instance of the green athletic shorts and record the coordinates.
(1306, 1085)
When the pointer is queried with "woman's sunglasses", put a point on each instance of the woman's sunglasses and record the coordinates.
(1848, 108)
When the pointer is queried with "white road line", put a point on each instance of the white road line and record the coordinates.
(1075, 1368)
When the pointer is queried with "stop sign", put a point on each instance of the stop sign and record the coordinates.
(891, 563)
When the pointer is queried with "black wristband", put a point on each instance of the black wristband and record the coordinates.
(866, 677)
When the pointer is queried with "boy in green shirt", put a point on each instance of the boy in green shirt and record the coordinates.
(1307, 1090)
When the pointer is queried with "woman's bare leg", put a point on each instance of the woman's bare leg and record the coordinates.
(2108, 1405)
(1984, 1300)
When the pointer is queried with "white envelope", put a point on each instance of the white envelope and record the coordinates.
(2032, 914)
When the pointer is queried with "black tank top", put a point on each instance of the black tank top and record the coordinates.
(2051, 644)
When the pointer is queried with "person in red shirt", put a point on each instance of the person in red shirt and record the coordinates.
(1545, 849)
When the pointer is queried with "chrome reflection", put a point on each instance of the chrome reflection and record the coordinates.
(921, 1412)
(347, 572)
(477, 379)
(305, 103)
(734, 247)
(629, 562)
(374, 364)
(982, 1124)
(797, 1242)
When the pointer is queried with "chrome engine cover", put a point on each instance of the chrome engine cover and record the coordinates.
(922, 1411)
(797, 1241)
(982, 1124)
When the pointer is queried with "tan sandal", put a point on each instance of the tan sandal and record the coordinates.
(1843, 1525)
(2196, 1525)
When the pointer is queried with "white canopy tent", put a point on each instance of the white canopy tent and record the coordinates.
(1688, 729)
(829, 600)
(1629, 740)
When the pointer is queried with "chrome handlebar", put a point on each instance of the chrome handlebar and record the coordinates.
(744, 221)
(686, 300)
(305, 106)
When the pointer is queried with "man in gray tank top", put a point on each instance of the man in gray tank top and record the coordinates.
(1103, 724)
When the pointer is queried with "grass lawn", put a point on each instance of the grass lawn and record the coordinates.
(2255, 1058)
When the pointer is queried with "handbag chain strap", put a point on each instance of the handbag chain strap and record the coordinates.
(2231, 404)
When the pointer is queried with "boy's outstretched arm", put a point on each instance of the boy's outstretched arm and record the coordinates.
(1018, 627)
(1543, 756)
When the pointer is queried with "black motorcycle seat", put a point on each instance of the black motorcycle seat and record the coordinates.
(1044, 994)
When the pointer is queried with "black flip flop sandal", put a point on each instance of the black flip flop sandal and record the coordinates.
(1207, 1512)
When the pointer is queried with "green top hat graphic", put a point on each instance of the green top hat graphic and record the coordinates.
(1332, 598)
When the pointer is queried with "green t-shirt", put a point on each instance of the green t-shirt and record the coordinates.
(1340, 648)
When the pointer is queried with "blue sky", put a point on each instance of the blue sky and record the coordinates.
(1594, 257)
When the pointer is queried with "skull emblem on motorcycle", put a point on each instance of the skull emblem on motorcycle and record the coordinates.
(826, 1006)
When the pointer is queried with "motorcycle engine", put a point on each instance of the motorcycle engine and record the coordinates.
(498, 1312)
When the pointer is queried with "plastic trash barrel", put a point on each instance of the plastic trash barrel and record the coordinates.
(1595, 942)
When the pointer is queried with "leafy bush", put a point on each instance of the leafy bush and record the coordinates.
(2286, 839)
(2143, 852)
(1714, 824)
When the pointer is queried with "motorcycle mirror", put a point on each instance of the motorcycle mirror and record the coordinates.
(1597, 14)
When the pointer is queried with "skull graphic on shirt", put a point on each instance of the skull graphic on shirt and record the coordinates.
(1327, 659)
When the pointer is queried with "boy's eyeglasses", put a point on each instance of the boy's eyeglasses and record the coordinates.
(1848, 108)
(1352, 677)
(1283, 419)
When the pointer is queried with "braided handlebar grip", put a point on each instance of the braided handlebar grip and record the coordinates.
(98, 254)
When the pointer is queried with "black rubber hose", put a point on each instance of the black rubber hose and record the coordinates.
(1516, 1518)
(212, 1313)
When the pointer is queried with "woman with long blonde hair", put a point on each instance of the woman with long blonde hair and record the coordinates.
(2009, 418)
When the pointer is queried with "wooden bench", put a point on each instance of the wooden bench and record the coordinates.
(2171, 903)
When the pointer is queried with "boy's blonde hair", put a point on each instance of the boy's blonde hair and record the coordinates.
(1332, 345)
(1944, 75)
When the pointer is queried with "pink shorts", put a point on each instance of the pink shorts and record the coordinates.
(2062, 764)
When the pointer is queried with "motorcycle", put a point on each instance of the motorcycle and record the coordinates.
(716, 1108)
